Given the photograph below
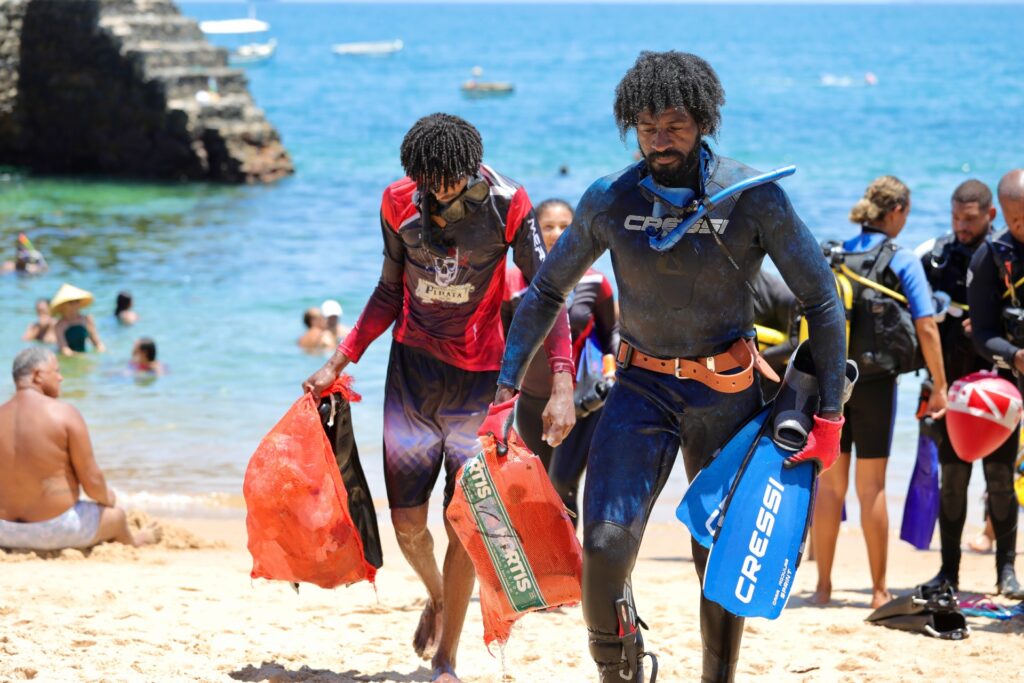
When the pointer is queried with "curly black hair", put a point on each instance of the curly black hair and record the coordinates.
(441, 149)
(666, 80)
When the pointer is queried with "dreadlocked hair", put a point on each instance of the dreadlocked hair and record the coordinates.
(441, 149)
(669, 80)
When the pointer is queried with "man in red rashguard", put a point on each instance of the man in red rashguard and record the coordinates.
(447, 228)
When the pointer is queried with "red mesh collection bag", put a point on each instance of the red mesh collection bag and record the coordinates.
(517, 532)
(297, 516)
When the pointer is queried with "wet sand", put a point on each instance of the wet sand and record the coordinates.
(186, 610)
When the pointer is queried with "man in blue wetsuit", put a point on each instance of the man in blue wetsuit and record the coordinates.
(687, 321)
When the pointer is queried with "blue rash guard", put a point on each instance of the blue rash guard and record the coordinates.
(689, 301)
(907, 267)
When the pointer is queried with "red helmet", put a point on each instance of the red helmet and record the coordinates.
(984, 409)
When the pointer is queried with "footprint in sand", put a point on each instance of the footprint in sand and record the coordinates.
(850, 665)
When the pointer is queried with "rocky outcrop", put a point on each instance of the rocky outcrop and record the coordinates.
(126, 88)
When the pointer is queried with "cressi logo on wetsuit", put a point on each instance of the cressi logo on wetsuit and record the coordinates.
(664, 223)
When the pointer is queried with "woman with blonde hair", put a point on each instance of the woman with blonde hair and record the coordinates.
(870, 413)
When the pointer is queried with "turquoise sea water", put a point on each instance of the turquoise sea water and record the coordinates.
(221, 275)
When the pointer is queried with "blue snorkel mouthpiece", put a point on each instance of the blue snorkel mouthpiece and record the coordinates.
(673, 200)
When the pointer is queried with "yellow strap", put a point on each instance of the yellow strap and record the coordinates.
(957, 304)
(1018, 283)
(769, 336)
(845, 290)
(872, 284)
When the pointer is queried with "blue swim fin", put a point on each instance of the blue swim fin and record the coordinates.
(760, 541)
(702, 504)
(766, 516)
(921, 510)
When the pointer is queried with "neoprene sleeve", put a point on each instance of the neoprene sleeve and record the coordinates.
(985, 302)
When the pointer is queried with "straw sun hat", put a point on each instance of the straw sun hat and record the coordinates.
(69, 293)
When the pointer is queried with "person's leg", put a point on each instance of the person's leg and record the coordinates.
(709, 419)
(113, 527)
(462, 409)
(1002, 511)
(873, 449)
(412, 462)
(634, 449)
(530, 426)
(955, 476)
(459, 576)
(828, 509)
(570, 459)
(828, 515)
(874, 520)
(417, 546)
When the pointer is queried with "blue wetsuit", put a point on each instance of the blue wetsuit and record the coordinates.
(685, 302)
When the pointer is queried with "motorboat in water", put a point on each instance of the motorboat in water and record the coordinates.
(252, 52)
(371, 48)
(477, 88)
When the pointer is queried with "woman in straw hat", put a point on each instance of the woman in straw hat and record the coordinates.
(73, 328)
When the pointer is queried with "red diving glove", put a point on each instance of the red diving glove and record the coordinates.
(498, 422)
(822, 444)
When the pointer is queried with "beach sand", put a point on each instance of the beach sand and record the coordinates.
(187, 611)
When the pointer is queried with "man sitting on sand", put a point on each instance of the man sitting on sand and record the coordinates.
(46, 456)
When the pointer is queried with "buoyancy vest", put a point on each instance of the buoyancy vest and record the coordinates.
(881, 336)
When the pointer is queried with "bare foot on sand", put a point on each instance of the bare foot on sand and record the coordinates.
(879, 598)
(822, 596)
(428, 632)
(444, 673)
(147, 535)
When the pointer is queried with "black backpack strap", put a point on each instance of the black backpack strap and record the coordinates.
(886, 250)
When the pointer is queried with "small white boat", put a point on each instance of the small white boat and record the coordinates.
(487, 88)
(373, 48)
(253, 53)
(476, 88)
(230, 27)
(247, 52)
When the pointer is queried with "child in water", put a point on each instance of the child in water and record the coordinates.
(144, 357)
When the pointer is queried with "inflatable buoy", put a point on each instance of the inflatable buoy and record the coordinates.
(984, 409)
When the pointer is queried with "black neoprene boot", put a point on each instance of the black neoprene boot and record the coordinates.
(1009, 587)
(944, 577)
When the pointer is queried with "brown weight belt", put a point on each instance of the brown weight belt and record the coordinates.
(707, 370)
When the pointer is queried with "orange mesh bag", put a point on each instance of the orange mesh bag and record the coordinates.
(517, 532)
(297, 508)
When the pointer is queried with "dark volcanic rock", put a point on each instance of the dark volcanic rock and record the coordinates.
(126, 88)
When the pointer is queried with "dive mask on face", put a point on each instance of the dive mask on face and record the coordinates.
(475, 192)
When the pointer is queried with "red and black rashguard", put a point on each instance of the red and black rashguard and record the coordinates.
(447, 301)
(591, 307)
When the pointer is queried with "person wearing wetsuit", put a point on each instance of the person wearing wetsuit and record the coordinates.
(871, 411)
(686, 361)
(447, 228)
(997, 329)
(592, 320)
(946, 265)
